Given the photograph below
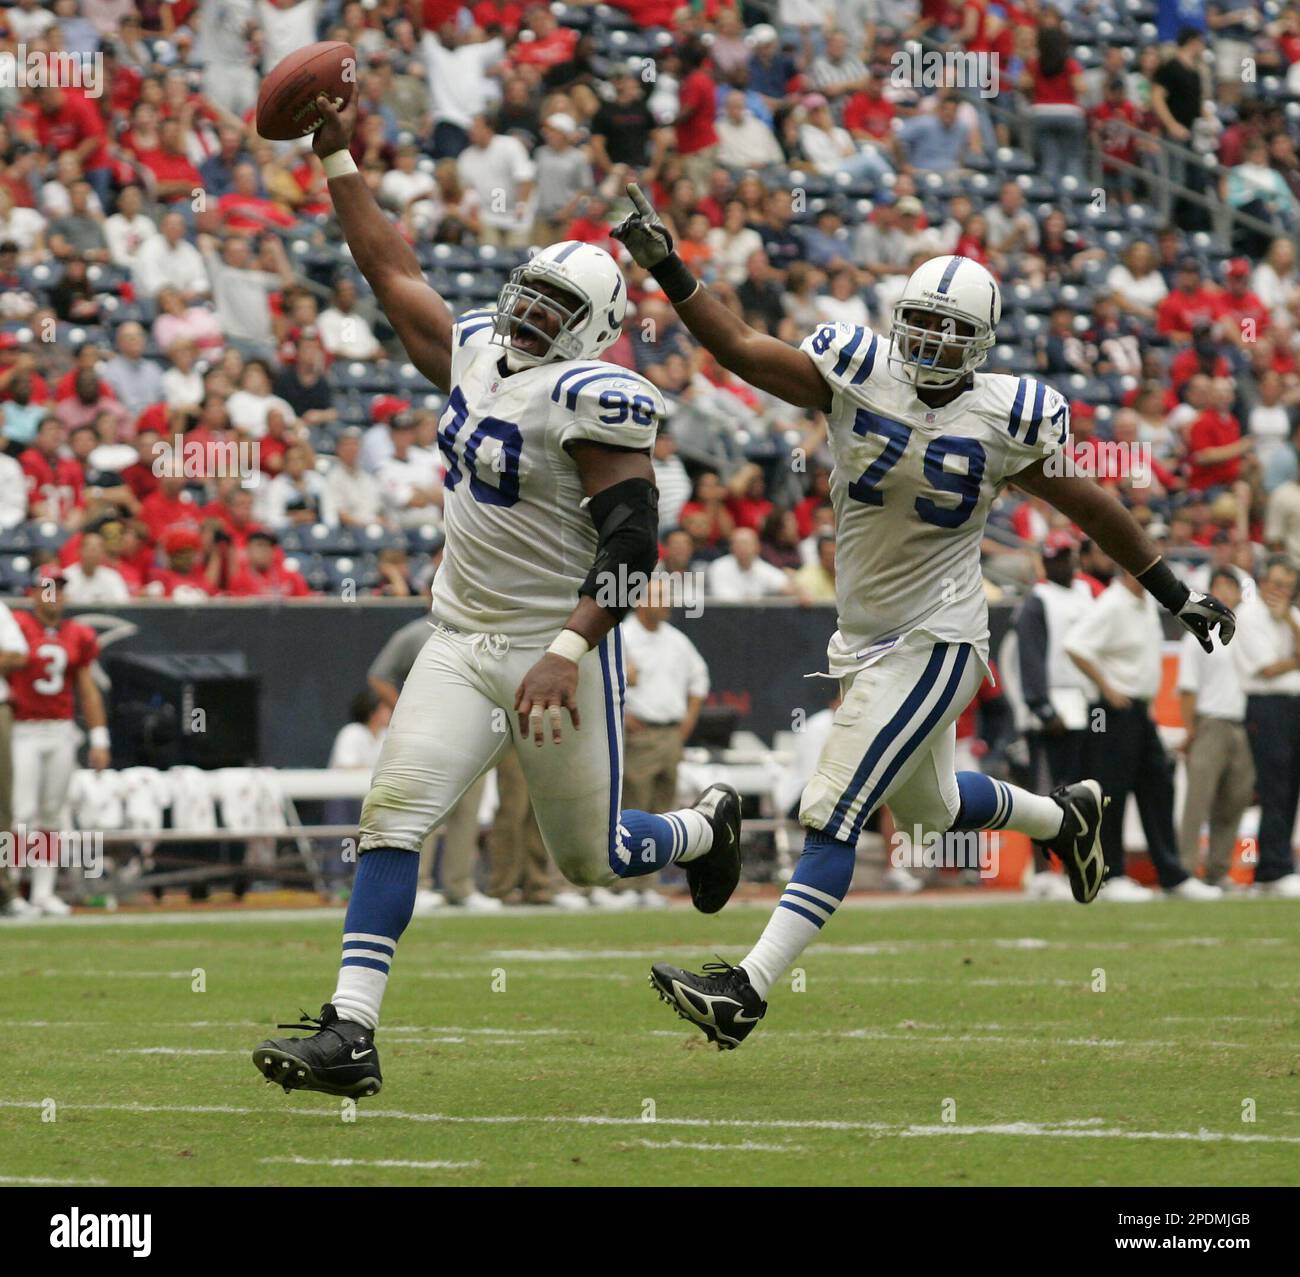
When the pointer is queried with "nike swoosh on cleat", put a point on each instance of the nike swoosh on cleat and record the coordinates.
(356, 1055)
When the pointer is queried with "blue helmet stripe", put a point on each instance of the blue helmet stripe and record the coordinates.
(948, 273)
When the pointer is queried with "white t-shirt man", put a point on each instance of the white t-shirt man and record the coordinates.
(103, 586)
(669, 671)
(729, 582)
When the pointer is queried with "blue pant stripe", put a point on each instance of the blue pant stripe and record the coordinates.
(611, 741)
(803, 913)
(927, 725)
(886, 738)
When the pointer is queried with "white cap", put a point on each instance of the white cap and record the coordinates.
(764, 33)
(562, 123)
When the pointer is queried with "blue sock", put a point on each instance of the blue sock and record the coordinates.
(992, 804)
(820, 882)
(383, 898)
(643, 842)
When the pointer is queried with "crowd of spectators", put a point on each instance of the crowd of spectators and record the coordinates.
(175, 287)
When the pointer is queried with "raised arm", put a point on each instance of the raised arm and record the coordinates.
(418, 315)
(1119, 534)
(762, 361)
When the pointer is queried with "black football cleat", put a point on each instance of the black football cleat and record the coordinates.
(339, 1059)
(723, 1006)
(713, 876)
(1078, 845)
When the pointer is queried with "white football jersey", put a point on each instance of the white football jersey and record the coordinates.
(519, 541)
(912, 487)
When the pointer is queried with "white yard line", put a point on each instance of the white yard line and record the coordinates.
(459, 1035)
(170, 1050)
(1076, 1128)
(361, 1161)
(49, 1180)
(932, 900)
(746, 1146)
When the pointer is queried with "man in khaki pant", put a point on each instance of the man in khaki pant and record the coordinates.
(1220, 769)
(519, 857)
(13, 655)
(667, 683)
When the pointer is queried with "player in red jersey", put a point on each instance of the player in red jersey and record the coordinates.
(44, 693)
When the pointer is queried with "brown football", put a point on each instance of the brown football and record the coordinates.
(286, 106)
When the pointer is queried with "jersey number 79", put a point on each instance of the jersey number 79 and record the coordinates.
(897, 436)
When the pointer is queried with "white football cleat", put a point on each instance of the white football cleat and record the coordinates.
(570, 901)
(51, 906)
(901, 880)
(1285, 888)
(614, 901)
(476, 902)
(1046, 885)
(1123, 890)
(1195, 889)
(428, 902)
(19, 908)
(649, 898)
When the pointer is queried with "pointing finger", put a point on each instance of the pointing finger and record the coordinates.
(643, 205)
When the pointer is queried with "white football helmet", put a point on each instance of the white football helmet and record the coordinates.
(968, 303)
(594, 281)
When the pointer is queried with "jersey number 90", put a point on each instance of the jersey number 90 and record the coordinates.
(506, 490)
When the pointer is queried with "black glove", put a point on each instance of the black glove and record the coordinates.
(645, 236)
(1202, 614)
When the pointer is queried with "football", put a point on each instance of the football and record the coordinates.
(286, 106)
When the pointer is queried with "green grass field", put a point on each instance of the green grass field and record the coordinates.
(933, 1044)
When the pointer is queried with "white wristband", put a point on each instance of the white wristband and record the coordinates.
(570, 645)
(100, 739)
(340, 164)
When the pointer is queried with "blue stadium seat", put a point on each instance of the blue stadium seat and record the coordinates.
(376, 537)
(426, 539)
(362, 572)
(319, 538)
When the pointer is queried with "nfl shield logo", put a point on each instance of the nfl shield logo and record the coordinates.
(929, 416)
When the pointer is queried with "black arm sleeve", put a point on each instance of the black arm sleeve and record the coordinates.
(627, 525)
(1031, 640)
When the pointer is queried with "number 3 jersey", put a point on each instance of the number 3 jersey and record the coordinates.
(44, 688)
(519, 539)
(912, 487)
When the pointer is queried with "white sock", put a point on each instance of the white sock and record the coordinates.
(698, 831)
(43, 880)
(1033, 814)
(789, 931)
(360, 990)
